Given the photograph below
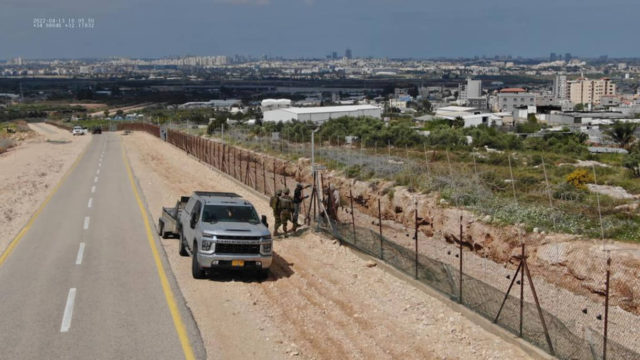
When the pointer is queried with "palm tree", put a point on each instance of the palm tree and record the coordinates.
(622, 133)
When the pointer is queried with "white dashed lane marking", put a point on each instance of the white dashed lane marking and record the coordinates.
(68, 311)
(80, 254)
(86, 222)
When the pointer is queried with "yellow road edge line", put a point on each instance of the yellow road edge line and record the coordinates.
(166, 288)
(12, 245)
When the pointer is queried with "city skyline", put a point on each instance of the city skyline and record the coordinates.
(313, 29)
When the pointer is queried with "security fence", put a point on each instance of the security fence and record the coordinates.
(521, 314)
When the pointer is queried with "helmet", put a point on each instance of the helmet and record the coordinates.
(279, 192)
(286, 191)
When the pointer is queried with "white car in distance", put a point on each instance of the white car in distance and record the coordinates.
(79, 130)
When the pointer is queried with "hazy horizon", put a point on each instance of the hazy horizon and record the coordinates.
(315, 28)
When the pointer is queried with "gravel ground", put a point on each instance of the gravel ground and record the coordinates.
(564, 304)
(29, 171)
(321, 301)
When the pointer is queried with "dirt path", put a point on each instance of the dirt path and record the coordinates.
(28, 172)
(321, 300)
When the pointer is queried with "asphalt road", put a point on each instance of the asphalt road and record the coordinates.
(86, 281)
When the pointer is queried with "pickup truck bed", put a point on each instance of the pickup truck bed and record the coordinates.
(168, 222)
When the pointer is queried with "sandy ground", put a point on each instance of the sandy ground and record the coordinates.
(28, 172)
(321, 301)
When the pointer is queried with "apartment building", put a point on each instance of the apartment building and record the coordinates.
(586, 91)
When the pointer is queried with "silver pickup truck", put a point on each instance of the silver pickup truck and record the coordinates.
(220, 230)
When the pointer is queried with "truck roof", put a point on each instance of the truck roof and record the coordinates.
(221, 198)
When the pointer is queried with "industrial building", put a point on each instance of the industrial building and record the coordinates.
(273, 104)
(514, 98)
(321, 114)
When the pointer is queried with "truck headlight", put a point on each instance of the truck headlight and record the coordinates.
(266, 248)
(207, 236)
(206, 245)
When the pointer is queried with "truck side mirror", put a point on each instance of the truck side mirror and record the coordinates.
(264, 220)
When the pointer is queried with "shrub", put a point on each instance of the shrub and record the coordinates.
(568, 192)
(483, 135)
(5, 144)
(446, 138)
(632, 162)
(580, 178)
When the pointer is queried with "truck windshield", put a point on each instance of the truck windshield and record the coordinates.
(224, 213)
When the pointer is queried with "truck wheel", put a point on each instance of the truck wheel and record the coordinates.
(183, 246)
(196, 270)
(161, 229)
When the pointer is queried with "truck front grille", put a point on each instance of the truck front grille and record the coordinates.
(237, 249)
(237, 237)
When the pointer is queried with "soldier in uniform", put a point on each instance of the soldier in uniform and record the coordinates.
(298, 197)
(286, 209)
(274, 202)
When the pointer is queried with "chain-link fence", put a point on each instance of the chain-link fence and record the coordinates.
(512, 303)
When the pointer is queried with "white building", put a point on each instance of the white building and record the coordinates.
(471, 116)
(321, 114)
(471, 90)
(272, 104)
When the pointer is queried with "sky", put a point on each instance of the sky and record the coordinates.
(315, 28)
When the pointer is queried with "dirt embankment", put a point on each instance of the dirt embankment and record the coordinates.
(29, 171)
(321, 301)
(571, 262)
(569, 271)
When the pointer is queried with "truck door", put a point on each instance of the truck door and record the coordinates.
(193, 222)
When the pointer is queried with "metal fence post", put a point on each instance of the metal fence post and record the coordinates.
(380, 228)
(284, 174)
(522, 289)
(606, 311)
(415, 237)
(274, 175)
(353, 217)
(255, 172)
(460, 285)
(264, 178)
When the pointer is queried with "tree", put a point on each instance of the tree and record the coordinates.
(106, 113)
(120, 112)
(622, 133)
(458, 122)
(529, 127)
(632, 162)
(426, 106)
(579, 107)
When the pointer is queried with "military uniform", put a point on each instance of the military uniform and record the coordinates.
(286, 209)
(297, 203)
(275, 205)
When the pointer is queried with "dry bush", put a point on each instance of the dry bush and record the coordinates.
(5, 144)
